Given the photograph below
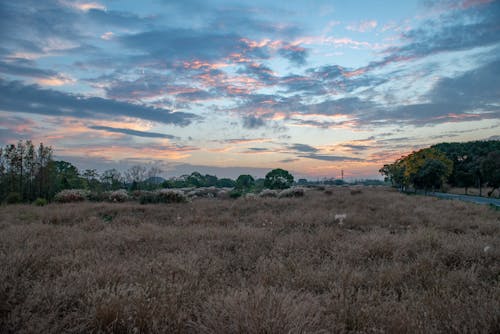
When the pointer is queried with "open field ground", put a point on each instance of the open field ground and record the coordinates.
(263, 265)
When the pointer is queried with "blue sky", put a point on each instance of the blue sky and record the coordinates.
(225, 87)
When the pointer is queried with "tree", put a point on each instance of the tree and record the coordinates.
(91, 179)
(490, 168)
(112, 179)
(431, 175)
(395, 173)
(245, 182)
(464, 179)
(420, 172)
(65, 175)
(135, 175)
(225, 183)
(278, 179)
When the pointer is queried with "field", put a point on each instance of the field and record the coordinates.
(395, 264)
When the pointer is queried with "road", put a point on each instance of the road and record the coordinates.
(466, 198)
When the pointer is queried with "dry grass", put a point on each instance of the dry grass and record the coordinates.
(261, 265)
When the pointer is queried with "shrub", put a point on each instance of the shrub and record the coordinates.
(147, 197)
(268, 193)
(163, 196)
(292, 192)
(208, 192)
(13, 198)
(40, 201)
(171, 196)
(235, 193)
(120, 196)
(71, 195)
(96, 196)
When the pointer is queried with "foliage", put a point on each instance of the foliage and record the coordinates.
(112, 179)
(225, 183)
(71, 195)
(268, 193)
(490, 168)
(425, 169)
(40, 201)
(245, 182)
(24, 169)
(467, 159)
(13, 198)
(292, 192)
(162, 196)
(278, 179)
(235, 193)
(171, 196)
(120, 196)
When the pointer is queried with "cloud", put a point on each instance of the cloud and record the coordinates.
(303, 148)
(363, 26)
(177, 44)
(295, 54)
(252, 122)
(16, 97)
(131, 132)
(356, 147)
(453, 31)
(285, 161)
(238, 141)
(470, 96)
(25, 68)
(330, 157)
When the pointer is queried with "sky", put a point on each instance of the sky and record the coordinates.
(235, 87)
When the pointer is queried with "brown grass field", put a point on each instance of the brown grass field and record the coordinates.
(397, 264)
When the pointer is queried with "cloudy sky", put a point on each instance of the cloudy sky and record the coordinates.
(314, 87)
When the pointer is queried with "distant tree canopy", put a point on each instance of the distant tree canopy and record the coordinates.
(458, 164)
(245, 182)
(278, 179)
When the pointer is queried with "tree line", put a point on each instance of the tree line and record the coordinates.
(29, 172)
(469, 164)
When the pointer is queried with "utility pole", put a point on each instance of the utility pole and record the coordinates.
(342, 174)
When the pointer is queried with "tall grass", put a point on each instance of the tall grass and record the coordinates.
(262, 265)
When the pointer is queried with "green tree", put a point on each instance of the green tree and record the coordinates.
(395, 173)
(431, 174)
(490, 168)
(419, 171)
(245, 182)
(464, 179)
(225, 183)
(278, 179)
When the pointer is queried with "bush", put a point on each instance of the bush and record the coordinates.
(40, 201)
(268, 193)
(120, 196)
(171, 196)
(148, 197)
(235, 193)
(162, 196)
(96, 196)
(292, 192)
(13, 198)
(71, 195)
